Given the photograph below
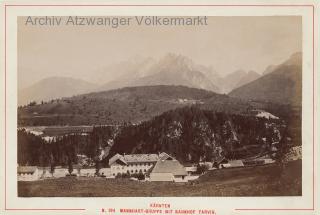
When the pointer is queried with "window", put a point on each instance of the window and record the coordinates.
(145, 170)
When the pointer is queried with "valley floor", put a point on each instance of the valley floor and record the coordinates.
(268, 180)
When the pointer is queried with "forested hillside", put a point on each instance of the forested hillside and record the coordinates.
(133, 105)
(192, 134)
(130, 105)
(77, 149)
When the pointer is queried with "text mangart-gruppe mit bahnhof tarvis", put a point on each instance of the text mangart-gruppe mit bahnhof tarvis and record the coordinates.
(116, 22)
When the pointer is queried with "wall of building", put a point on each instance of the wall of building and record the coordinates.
(60, 172)
(132, 168)
(28, 176)
(268, 160)
(117, 169)
(88, 172)
(137, 167)
(180, 178)
(105, 171)
(192, 177)
(161, 177)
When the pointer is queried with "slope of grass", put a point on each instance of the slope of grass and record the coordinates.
(268, 180)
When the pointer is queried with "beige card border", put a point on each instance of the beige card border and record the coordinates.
(10, 204)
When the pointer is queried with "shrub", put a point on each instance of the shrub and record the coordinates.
(201, 169)
(140, 176)
(71, 175)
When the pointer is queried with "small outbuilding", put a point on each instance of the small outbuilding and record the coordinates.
(27, 173)
(236, 163)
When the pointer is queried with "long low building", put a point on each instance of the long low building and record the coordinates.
(27, 173)
(33, 173)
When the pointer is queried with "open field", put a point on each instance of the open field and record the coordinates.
(269, 180)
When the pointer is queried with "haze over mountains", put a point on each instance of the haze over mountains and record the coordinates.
(171, 69)
(52, 88)
(281, 85)
(237, 79)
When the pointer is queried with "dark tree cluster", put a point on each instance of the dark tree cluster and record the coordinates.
(61, 151)
(192, 135)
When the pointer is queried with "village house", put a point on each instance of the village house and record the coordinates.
(168, 170)
(27, 173)
(105, 172)
(59, 171)
(232, 164)
(88, 172)
(191, 170)
(135, 163)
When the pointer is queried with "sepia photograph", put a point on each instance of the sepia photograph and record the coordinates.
(159, 106)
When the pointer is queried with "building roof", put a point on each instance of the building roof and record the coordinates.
(236, 163)
(115, 158)
(141, 158)
(165, 156)
(169, 166)
(27, 169)
(134, 158)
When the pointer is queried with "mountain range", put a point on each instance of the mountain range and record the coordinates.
(281, 85)
(237, 79)
(53, 88)
(171, 69)
(130, 104)
(133, 105)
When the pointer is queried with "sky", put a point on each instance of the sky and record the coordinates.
(226, 43)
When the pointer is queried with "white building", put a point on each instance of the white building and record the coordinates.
(191, 170)
(105, 172)
(234, 163)
(88, 172)
(135, 163)
(60, 172)
(27, 173)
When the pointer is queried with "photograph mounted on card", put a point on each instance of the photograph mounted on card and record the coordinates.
(183, 110)
(138, 108)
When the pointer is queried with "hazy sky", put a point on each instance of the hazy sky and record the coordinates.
(226, 43)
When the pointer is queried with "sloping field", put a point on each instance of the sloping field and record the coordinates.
(270, 180)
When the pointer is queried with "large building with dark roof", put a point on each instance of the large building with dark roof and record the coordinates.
(135, 163)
